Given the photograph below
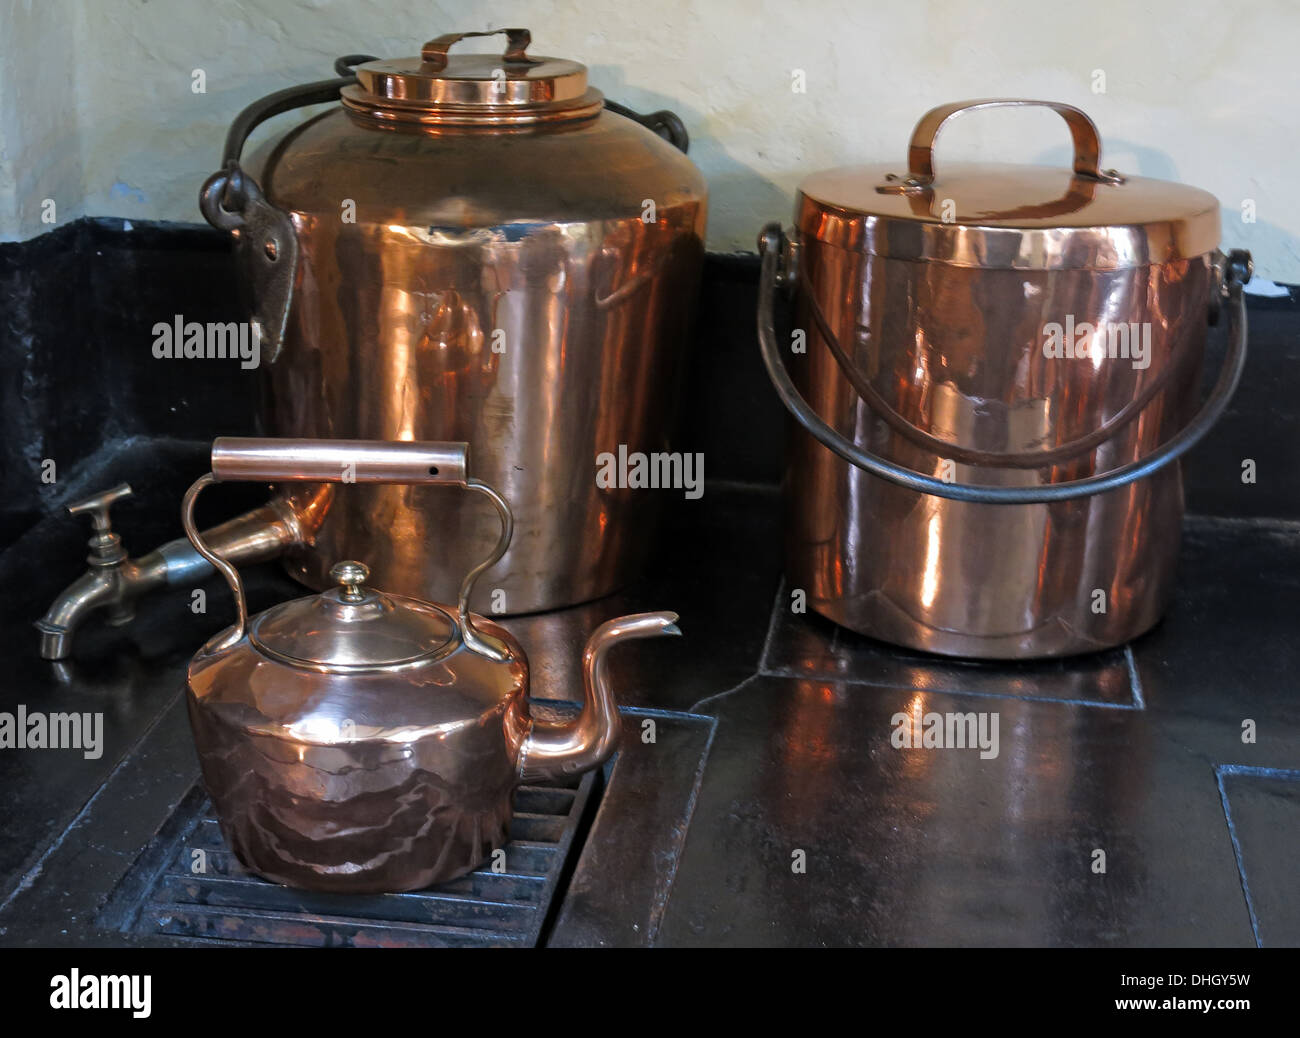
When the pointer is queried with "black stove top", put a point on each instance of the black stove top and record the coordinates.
(758, 798)
(1143, 796)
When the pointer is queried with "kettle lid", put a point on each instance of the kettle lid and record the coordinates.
(354, 628)
(468, 89)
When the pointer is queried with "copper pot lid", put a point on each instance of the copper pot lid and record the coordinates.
(440, 88)
(1004, 215)
(354, 628)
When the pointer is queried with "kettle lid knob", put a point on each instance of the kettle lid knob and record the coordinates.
(352, 575)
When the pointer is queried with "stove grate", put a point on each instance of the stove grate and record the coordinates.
(161, 895)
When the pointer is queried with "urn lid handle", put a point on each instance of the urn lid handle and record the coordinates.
(438, 88)
(434, 53)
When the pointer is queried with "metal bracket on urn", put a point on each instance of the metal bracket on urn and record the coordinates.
(231, 200)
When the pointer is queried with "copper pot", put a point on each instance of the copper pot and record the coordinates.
(472, 247)
(973, 472)
(359, 741)
(468, 247)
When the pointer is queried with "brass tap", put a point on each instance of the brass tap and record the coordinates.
(114, 581)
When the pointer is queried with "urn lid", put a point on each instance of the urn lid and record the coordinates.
(354, 628)
(512, 88)
(1006, 215)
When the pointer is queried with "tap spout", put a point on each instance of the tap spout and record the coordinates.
(113, 583)
(94, 590)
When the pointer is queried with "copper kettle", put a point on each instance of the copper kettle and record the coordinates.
(356, 741)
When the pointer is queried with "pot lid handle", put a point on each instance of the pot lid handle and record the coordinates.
(434, 53)
(257, 459)
(920, 152)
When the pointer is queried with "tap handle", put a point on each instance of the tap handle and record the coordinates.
(97, 506)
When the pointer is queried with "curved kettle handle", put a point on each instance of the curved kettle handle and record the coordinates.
(257, 459)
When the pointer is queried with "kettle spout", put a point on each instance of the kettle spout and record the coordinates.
(553, 751)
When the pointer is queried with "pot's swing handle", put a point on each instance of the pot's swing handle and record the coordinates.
(1037, 459)
(256, 460)
(920, 152)
(1236, 271)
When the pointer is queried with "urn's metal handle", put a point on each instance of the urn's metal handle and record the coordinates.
(666, 124)
(920, 152)
(255, 459)
(1237, 269)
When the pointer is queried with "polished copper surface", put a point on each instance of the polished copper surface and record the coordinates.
(438, 88)
(526, 289)
(360, 781)
(1011, 216)
(953, 381)
(361, 741)
(469, 246)
(532, 240)
(958, 354)
(1007, 215)
(387, 779)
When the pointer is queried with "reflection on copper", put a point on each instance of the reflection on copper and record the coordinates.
(957, 353)
(926, 349)
(930, 577)
(461, 234)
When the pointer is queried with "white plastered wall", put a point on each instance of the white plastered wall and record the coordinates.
(98, 109)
